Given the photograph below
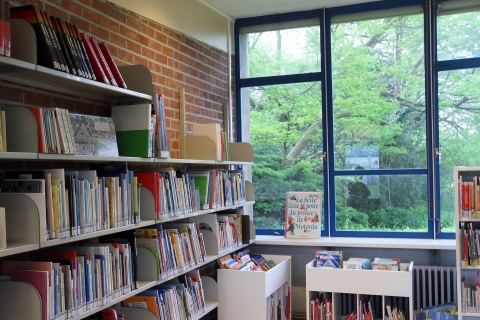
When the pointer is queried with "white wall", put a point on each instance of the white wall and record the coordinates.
(186, 16)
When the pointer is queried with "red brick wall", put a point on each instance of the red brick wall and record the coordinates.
(175, 60)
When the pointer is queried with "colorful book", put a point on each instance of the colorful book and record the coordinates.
(94, 60)
(103, 62)
(303, 212)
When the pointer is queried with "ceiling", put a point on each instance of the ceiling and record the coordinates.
(253, 8)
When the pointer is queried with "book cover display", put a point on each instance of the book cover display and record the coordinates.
(94, 135)
(303, 215)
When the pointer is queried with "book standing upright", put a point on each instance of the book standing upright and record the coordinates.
(303, 215)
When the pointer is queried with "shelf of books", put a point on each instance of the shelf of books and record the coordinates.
(23, 67)
(265, 293)
(355, 291)
(467, 206)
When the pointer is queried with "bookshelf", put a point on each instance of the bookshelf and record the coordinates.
(253, 289)
(25, 221)
(466, 254)
(359, 283)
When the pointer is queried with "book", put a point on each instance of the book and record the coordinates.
(4, 130)
(103, 62)
(38, 113)
(94, 135)
(112, 65)
(40, 280)
(303, 212)
(46, 55)
(94, 60)
(3, 9)
(64, 46)
(212, 131)
(332, 259)
(3, 229)
(357, 263)
(132, 125)
(144, 302)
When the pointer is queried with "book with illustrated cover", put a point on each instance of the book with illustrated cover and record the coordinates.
(303, 212)
(94, 135)
(332, 259)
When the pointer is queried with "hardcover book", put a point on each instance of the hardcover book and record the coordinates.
(94, 135)
(303, 212)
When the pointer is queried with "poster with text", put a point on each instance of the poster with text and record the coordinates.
(303, 215)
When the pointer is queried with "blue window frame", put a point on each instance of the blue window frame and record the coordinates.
(373, 101)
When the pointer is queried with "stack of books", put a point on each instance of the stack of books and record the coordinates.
(245, 261)
(61, 46)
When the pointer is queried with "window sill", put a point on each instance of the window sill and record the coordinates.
(393, 243)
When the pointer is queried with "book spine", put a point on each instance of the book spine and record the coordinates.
(7, 38)
(102, 61)
(54, 39)
(64, 46)
(73, 48)
(49, 38)
(112, 65)
(83, 51)
(97, 68)
(45, 52)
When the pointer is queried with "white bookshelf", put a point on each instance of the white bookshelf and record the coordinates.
(246, 294)
(468, 273)
(359, 282)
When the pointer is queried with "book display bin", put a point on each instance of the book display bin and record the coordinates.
(360, 283)
(247, 294)
(25, 219)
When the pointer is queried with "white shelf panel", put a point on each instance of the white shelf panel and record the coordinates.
(83, 158)
(234, 163)
(143, 285)
(389, 243)
(57, 81)
(18, 155)
(8, 65)
(55, 242)
(15, 247)
(209, 306)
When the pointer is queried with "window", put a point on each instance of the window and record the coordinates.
(361, 113)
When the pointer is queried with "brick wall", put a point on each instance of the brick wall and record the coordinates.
(174, 59)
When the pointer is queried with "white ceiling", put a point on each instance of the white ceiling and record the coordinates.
(253, 8)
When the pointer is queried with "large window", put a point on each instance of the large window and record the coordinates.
(363, 112)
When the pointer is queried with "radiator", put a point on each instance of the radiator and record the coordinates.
(433, 285)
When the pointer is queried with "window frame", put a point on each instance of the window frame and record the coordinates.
(432, 69)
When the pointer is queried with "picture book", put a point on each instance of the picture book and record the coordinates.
(357, 263)
(303, 212)
(94, 135)
(332, 259)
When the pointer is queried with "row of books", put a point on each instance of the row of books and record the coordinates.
(278, 304)
(469, 244)
(159, 137)
(471, 295)
(72, 280)
(61, 46)
(468, 197)
(179, 299)
(321, 306)
(78, 202)
(245, 261)
(229, 231)
(334, 259)
(176, 246)
(3, 130)
(178, 192)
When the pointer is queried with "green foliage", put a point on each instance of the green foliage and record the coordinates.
(378, 101)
